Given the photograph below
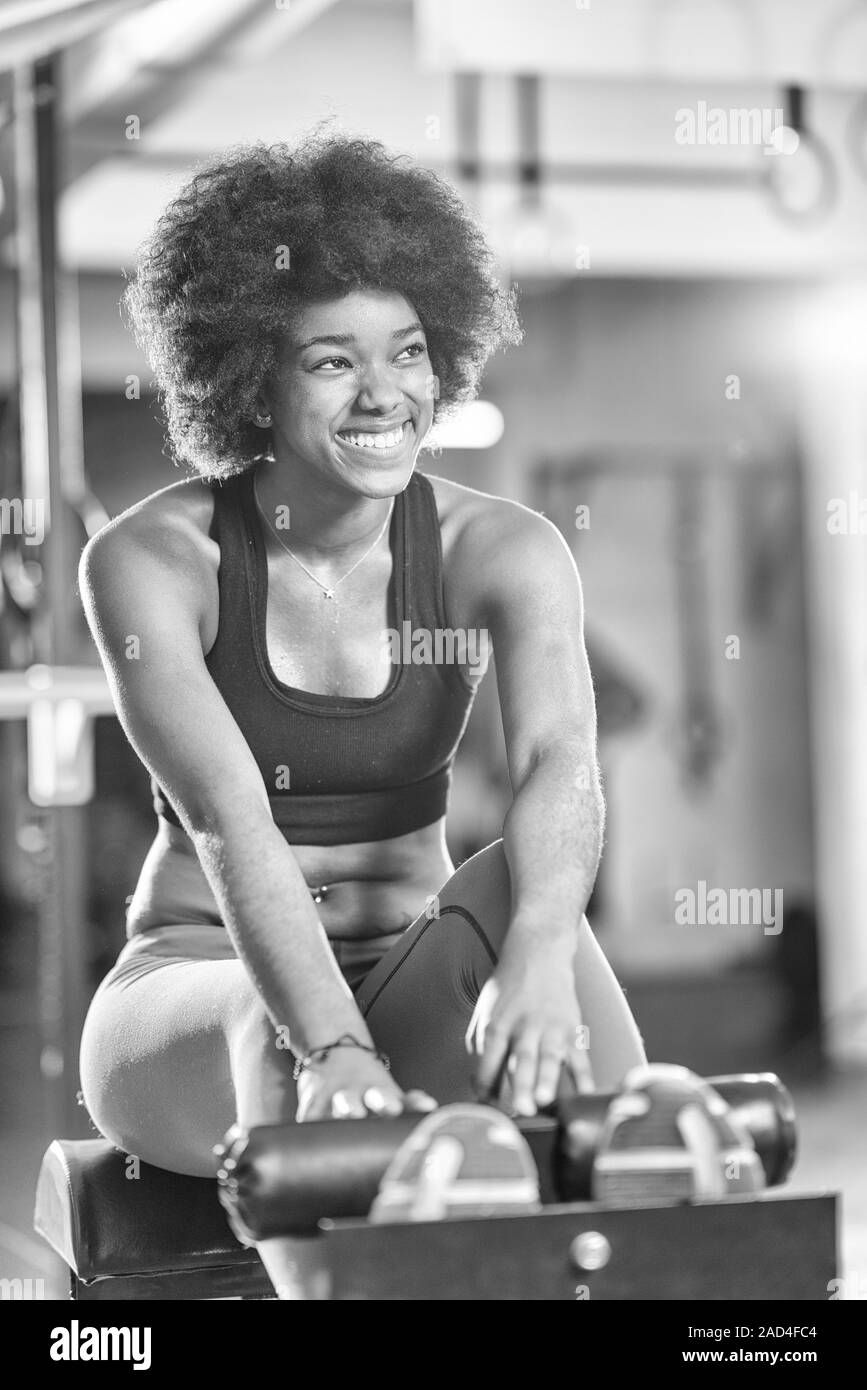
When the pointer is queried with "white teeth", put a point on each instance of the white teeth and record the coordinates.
(388, 439)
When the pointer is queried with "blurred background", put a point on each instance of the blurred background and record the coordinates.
(679, 191)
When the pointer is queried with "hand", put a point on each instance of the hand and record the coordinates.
(527, 1026)
(350, 1084)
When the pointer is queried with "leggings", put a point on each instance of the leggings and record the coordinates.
(176, 1030)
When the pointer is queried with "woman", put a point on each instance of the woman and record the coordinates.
(308, 314)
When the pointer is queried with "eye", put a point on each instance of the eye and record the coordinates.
(417, 349)
(341, 362)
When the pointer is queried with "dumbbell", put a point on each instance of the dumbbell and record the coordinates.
(758, 1107)
(282, 1179)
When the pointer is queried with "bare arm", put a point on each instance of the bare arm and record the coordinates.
(529, 594)
(176, 720)
(553, 831)
(526, 591)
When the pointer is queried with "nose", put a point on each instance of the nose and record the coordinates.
(379, 390)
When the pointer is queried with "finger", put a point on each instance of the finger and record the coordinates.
(474, 1038)
(378, 1103)
(313, 1110)
(551, 1055)
(347, 1106)
(525, 1060)
(307, 1108)
(419, 1100)
(578, 1062)
(493, 1059)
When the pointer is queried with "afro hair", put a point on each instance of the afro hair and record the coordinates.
(267, 229)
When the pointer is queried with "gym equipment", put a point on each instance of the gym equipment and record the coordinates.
(58, 696)
(462, 1160)
(282, 1179)
(59, 704)
(164, 1236)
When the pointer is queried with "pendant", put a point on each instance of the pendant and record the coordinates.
(328, 593)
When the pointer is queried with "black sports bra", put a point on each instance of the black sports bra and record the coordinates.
(340, 770)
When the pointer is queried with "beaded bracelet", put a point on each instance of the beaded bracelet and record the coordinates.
(319, 1054)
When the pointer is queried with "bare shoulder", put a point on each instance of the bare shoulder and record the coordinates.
(481, 528)
(171, 525)
(502, 561)
(155, 561)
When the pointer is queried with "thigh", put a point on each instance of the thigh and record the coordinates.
(161, 1046)
(419, 999)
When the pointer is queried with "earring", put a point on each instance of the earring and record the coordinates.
(263, 421)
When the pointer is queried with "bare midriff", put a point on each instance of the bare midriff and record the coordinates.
(360, 891)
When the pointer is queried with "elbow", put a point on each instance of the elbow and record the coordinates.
(566, 780)
(573, 763)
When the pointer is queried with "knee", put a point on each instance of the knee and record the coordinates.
(101, 1071)
(483, 887)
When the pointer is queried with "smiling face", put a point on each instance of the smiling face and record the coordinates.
(352, 399)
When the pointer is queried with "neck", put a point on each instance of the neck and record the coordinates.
(323, 520)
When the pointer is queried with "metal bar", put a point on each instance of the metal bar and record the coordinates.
(62, 937)
(55, 566)
(529, 134)
(194, 36)
(64, 926)
(31, 345)
(31, 29)
(70, 407)
(468, 92)
(88, 148)
(87, 684)
(113, 71)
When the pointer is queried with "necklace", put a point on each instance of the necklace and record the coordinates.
(328, 590)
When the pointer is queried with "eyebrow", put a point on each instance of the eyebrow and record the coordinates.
(345, 339)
